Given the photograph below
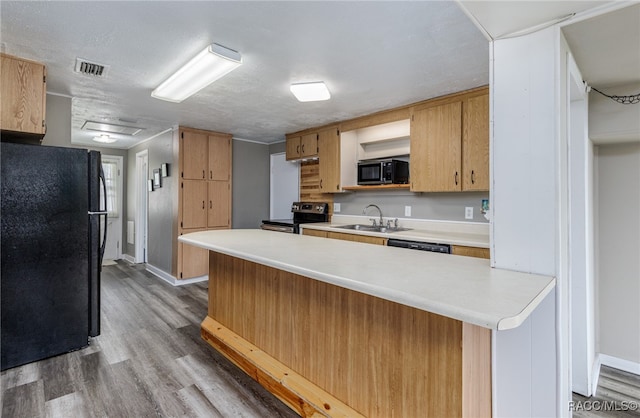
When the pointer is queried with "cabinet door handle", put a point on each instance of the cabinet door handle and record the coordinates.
(203, 175)
(211, 174)
(210, 205)
(298, 149)
(473, 177)
(203, 204)
(303, 148)
(456, 178)
(321, 183)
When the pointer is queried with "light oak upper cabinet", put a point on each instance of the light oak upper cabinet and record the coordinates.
(329, 160)
(436, 140)
(219, 157)
(194, 146)
(23, 95)
(305, 146)
(204, 195)
(475, 143)
(450, 145)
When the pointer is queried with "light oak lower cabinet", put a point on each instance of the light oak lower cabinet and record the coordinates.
(193, 261)
(204, 195)
(367, 239)
(470, 251)
(23, 89)
(314, 233)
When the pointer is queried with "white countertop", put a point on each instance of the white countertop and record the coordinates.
(414, 234)
(463, 288)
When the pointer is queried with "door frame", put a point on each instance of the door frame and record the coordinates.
(120, 190)
(142, 209)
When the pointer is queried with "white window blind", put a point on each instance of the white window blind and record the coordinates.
(110, 169)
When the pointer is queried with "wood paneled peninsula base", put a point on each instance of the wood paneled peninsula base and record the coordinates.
(325, 349)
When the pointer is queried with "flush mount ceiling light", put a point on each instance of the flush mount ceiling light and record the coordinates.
(310, 92)
(214, 62)
(105, 139)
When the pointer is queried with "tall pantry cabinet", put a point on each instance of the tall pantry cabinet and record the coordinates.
(204, 193)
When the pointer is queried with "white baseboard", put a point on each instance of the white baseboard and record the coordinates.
(172, 280)
(595, 374)
(129, 258)
(620, 364)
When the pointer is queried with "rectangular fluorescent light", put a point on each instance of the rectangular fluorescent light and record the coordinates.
(310, 92)
(111, 128)
(214, 62)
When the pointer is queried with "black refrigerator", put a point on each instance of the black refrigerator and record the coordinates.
(53, 236)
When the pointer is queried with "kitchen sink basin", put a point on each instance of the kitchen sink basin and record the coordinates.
(370, 228)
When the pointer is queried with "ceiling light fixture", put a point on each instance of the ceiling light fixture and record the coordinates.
(105, 139)
(310, 92)
(214, 62)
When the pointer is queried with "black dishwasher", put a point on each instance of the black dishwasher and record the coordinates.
(420, 246)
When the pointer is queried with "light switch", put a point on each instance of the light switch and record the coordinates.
(336, 207)
(407, 211)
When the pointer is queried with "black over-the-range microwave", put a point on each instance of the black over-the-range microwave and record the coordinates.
(387, 171)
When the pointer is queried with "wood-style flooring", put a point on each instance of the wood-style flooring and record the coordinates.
(149, 361)
(617, 396)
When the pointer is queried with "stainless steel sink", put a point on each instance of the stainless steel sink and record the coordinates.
(370, 228)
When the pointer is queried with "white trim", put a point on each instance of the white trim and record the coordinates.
(128, 258)
(620, 364)
(120, 186)
(172, 280)
(153, 136)
(253, 141)
(59, 95)
(141, 219)
(595, 374)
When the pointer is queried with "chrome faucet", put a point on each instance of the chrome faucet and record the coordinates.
(364, 212)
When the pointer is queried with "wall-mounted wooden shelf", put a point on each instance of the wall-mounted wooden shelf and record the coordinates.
(377, 187)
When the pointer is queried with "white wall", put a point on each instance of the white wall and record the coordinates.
(526, 114)
(618, 220)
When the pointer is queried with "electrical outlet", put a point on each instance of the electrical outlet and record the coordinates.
(336, 207)
(468, 212)
(407, 211)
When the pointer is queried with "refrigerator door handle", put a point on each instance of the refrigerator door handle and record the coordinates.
(98, 213)
(103, 213)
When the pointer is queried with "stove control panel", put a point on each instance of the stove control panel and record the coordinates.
(310, 207)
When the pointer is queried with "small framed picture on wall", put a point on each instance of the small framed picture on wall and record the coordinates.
(157, 179)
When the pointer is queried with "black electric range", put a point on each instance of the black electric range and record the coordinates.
(302, 213)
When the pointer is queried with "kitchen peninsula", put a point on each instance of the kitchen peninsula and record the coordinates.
(341, 328)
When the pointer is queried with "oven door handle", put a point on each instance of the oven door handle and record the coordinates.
(277, 228)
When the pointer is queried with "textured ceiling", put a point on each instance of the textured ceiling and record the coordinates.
(372, 56)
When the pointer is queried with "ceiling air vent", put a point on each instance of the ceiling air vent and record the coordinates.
(90, 68)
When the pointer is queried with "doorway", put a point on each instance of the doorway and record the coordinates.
(283, 185)
(112, 168)
(583, 369)
(141, 218)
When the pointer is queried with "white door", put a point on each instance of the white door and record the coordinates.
(284, 181)
(142, 178)
(112, 168)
